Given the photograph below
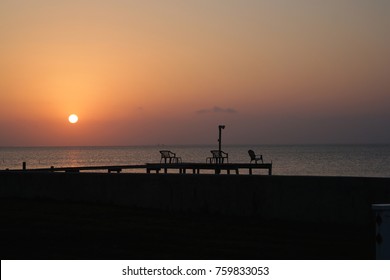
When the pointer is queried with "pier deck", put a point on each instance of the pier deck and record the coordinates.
(197, 167)
(165, 167)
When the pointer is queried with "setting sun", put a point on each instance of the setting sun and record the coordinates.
(73, 118)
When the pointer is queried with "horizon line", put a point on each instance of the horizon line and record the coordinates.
(200, 145)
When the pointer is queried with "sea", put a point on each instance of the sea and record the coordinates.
(307, 160)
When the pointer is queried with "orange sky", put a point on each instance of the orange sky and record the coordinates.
(168, 72)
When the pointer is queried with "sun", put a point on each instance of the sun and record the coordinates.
(73, 118)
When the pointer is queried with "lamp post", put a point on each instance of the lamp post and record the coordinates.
(220, 138)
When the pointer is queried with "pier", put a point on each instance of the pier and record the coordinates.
(197, 167)
(181, 168)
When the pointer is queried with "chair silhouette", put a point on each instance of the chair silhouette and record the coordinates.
(255, 157)
(169, 157)
(218, 157)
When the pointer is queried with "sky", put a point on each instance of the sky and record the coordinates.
(169, 72)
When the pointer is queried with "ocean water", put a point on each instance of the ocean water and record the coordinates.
(323, 160)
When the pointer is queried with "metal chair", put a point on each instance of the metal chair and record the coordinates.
(255, 157)
(169, 157)
(218, 157)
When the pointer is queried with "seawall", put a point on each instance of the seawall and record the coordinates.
(335, 200)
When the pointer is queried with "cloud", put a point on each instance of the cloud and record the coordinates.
(217, 110)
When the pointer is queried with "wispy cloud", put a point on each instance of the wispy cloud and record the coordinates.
(217, 110)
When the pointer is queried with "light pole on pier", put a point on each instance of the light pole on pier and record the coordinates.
(220, 138)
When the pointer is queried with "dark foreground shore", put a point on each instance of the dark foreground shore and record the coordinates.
(46, 229)
(53, 215)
